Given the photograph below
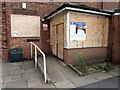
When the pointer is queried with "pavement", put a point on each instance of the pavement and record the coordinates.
(23, 75)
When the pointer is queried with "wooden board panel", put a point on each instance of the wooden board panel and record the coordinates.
(97, 29)
(25, 26)
(54, 47)
(60, 40)
(57, 19)
(65, 27)
(106, 32)
(57, 22)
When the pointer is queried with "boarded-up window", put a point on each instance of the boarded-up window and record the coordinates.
(96, 30)
(25, 26)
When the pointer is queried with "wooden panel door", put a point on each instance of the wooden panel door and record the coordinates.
(60, 46)
(54, 41)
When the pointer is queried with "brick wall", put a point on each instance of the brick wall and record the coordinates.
(4, 34)
(110, 5)
(91, 55)
(93, 4)
(42, 9)
(0, 30)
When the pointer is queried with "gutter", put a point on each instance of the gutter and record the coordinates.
(116, 14)
(62, 8)
(88, 11)
(55, 13)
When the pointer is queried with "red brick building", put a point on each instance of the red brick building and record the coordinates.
(40, 10)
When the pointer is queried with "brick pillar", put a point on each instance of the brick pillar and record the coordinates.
(116, 40)
(4, 33)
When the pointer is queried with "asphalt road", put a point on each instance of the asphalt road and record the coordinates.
(108, 83)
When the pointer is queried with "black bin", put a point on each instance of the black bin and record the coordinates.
(16, 55)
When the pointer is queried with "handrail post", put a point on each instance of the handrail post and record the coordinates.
(35, 57)
(45, 76)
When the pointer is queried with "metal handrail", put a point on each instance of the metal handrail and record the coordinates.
(36, 61)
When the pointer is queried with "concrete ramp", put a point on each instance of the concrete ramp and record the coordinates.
(57, 70)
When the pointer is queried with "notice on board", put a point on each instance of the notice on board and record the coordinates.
(77, 31)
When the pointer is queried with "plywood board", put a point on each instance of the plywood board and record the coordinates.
(25, 26)
(57, 19)
(65, 29)
(51, 33)
(60, 28)
(105, 42)
(54, 47)
(97, 29)
(57, 23)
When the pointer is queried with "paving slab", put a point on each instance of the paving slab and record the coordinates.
(34, 82)
(101, 75)
(28, 76)
(30, 70)
(7, 64)
(83, 80)
(57, 71)
(18, 63)
(5, 74)
(27, 63)
(17, 77)
(47, 86)
(7, 79)
(1, 80)
(27, 66)
(17, 72)
(0, 86)
(13, 68)
(4, 86)
(44, 86)
(113, 73)
(17, 84)
(64, 84)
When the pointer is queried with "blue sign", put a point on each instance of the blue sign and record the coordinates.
(81, 24)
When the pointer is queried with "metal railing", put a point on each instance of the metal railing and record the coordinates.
(36, 59)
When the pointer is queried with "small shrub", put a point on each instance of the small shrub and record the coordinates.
(80, 59)
(105, 66)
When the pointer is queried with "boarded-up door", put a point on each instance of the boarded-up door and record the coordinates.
(60, 41)
(57, 37)
(54, 46)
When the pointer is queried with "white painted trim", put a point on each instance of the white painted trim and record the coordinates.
(56, 13)
(67, 31)
(77, 9)
(116, 14)
(88, 11)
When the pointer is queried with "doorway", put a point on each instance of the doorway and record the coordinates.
(58, 40)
